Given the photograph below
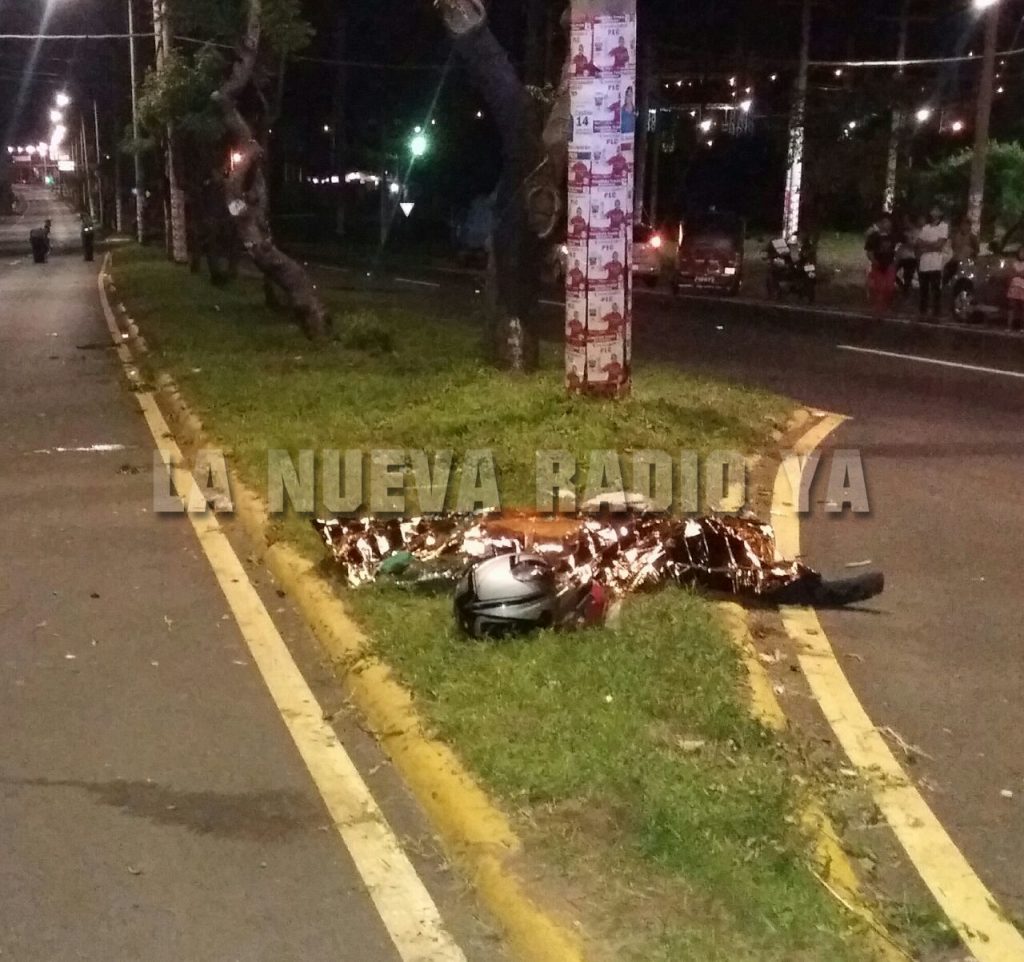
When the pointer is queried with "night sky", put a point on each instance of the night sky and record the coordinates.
(399, 68)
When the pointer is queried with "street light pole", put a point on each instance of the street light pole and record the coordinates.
(140, 187)
(983, 115)
(797, 129)
(893, 160)
(99, 176)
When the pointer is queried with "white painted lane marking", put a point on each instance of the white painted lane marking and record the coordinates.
(932, 360)
(409, 280)
(91, 449)
(961, 894)
(401, 899)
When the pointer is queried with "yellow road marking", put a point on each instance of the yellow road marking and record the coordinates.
(956, 887)
(402, 901)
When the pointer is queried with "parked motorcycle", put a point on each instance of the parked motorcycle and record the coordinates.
(792, 270)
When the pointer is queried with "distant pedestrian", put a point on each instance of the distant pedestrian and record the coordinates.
(880, 246)
(906, 253)
(933, 249)
(1015, 292)
(964, 248)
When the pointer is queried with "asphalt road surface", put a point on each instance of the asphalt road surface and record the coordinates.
(153, 807)
(936, 414)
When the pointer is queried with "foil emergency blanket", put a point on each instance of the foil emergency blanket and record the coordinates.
(626, 553)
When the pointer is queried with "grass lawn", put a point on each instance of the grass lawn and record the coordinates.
(626, 755)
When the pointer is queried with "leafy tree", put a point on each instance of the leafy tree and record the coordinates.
(222, 96)
(946, 183)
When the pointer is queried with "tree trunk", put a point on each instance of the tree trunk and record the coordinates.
(246, 191)
(516, 251)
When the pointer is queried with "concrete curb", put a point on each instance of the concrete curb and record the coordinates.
(477, 835)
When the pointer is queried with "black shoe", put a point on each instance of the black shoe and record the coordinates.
(848, 591)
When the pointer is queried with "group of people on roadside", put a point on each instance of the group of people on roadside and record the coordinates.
(927, 252)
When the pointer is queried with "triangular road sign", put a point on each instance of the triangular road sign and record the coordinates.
(407, 208)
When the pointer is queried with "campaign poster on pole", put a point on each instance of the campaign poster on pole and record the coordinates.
(599, 296)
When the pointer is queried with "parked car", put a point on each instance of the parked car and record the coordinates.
(648, 245)
(710, 254)
(978, 286)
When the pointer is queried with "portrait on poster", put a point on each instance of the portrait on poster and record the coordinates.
(580, 159)
(576, 266)
(612, 160)
(607, 313)
(581, 45)
(605, 360)
(610, 212)
(576, 319)
(614, 44)
(607, 265)
(575, 365)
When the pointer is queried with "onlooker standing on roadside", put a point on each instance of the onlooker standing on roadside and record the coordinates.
(906, 252)
(932, 246)
(964, 247)
(880, 246)
(1015, 292)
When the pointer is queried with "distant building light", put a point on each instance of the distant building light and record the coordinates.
(745, 105)
(923, 115)
(395, 187)
(732, 81)
(62, 99)
(839, 71)
(957, 126)
(480, 113)
(1000, 90)
(774, 77)
(852, 125)
(710, 143)
(679, 83)
(327, 128)
(335, 179)
(706, 124)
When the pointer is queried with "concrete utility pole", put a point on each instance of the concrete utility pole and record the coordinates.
(602, 157)
(140, 180)
(795, 172)
(986, 89)
(99, 158)
(84, 147)
(893, 160)
(176, 196)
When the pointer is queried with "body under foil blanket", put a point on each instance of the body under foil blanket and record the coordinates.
(624, 553)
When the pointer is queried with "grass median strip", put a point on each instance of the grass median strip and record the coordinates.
(653, 806)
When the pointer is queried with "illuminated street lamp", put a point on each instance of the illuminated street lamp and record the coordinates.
(419, 144)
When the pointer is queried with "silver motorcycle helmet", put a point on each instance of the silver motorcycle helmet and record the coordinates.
(513, 594)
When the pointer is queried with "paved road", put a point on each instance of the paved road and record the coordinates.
(152, 804)
(940, 657)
